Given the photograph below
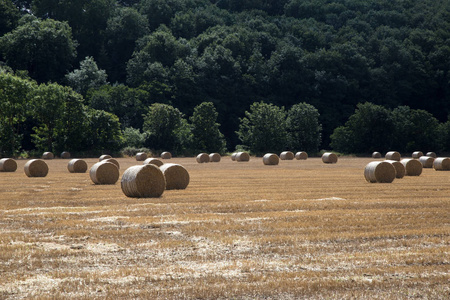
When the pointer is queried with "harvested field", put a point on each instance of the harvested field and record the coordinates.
(302, 229)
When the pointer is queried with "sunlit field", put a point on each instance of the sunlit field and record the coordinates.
(241, 230)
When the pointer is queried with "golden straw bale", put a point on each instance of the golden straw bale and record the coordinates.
(426, 161)
(271, 159)
(379, 171)
(177, 177)
(417, 154)
(214, 157)
(113, 161)
(104, 156)
(399, 168)
(329, 158)
(202, 158)
(393, 155)
(166, 155)
(413, 167)
(65, 155)
(8, 165)
(104, 172)
(287, 155)
(144, 181)
(77, 166)
(36, 168)
(48, 155)
(301, 155)
(442, 164)
(376, 155)
(233, 156)
(141, 156)
(153, 161)
(432, 154)
(242, 156)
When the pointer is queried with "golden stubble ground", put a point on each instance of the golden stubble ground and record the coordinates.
(241, 230)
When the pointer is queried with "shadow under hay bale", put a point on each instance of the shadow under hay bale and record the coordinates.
(48, 155)
(399, 168)
(301, 155)
(413, 167)
(287, 155)
(141, 156)
(177, 177)
(242, 157)
(104, 156)
(77, 166)
(104, 173)
(65, 155)
(271, 159)
(393, 155)
(417, 154)
(36, 168)
(153, 161)
(202, 158)
(379, 171)
(214, 157)
(166, 155)
(431, 154)
(426, 161)
(376, 155)
(442, 164)
(329, 158)
(144, 181)
(8, 165)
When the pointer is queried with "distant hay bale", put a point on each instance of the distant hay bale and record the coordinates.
(271, 159)
(233, 156)
(393, 155)
(48, 155)
(329, 158)
(214, 157)
(144, 181)
(376, 155)
(104, 156)
(113, 161)
(379, 171)
(301, 155)
(166, 155)
(153, 161)
(177, 177)
(417, 154)
(104, 172)
(242, 156)
(141, 156)
(77, 166)
(442, 164)
(399, 168)
(8, 165)
(65, 155)
(431, 154)
(413, 167)
(202, 158)
(426, 161)
(287, 155)
(36, 168)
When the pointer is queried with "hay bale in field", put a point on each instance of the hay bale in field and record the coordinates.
(233, 156)
(329, 158)
(379, 171)
(376, 155)
(431, 154)
(8, 165)
(426, 161)
(393, 155)
(144, 181)
(65, 155)
(399, 168)
(214, 157)
(202, 158)
(48, 155)
(153, 161)
(242, 156)
(166, 155)
(271, 159)
(301, 155)
(141, 156)
(177, 177)
(77, 166)
(104, 156)
(442, 164)
(113, 161)
(287, 155)
(36, 168)
(417, 154)
(413, 167)
(104, 172)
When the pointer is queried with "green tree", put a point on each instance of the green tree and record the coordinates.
(206, 134)
(303, 127)
(9, 16)
(103, 132)
(88, 76)
(133, 137)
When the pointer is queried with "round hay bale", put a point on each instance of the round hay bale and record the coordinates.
(379, 171)
(202, 158)
(442, 164)
(48, 155)
(426, 161)
(431, 154)
(376, 155)
(301, 155)
(287, 155)
(104, 156)
(214, 157)
(177, 177)
(141, 156)
(113, 161)
(393, 155)
(8, 165)
(271, 159)
(153, 161)
(413, 167)
(104, 172)
(242, 156)
(65, 155)
(166, 155)
(144, 181)
(399, 168)
(233, 156)
(77, 166)
(417, 154)
(36, 168)
(329, 158)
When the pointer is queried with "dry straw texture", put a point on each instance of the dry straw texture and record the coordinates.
(393, 155)
(77, 166)
(104, 173)
(153, 161)
(8, 165)
(214, 157)
(242, 156)
(166, 155)
(417, 154)
(329, 158)
(432, 154)
(202, 158)
(141, 156)
(113, 161)
(104, 156)
(177, 177)
(442, 164)
(287, 155)
(301, 155)
(233, 156)
(376, 155)
(36, 168)
(426, 161)
(144, 181)
(413, 167)
(399, 168)
(271, 159)
(65, 155)
(48, 155)
(379, 171)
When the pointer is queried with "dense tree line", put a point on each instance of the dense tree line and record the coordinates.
(123, 57)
